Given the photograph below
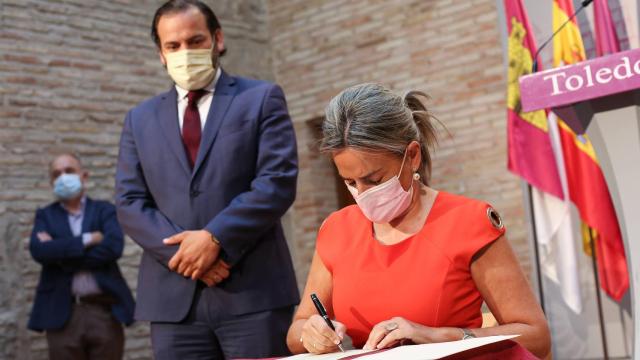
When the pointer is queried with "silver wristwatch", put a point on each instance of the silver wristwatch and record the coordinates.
(467, 334)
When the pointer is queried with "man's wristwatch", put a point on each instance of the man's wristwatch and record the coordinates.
(467, 334)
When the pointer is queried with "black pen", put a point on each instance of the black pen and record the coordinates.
(323, 313)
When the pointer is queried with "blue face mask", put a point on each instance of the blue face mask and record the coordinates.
(67, 186)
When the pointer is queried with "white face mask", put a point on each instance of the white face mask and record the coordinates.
(191, 69)
(384, 202)
(67, 186)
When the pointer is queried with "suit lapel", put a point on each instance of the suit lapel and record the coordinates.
(62, 219)
(86, 216)
(167, 114)
(225, 91)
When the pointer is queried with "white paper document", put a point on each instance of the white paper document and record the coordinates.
(332, 356)
(412, 352)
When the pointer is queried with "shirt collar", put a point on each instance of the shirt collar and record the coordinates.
(83, 202)
(182, 93)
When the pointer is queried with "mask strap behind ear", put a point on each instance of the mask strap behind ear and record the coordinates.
(404, 157)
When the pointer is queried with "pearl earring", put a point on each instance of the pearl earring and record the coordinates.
(416, 176)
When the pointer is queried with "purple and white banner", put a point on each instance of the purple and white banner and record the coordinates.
(587, 80)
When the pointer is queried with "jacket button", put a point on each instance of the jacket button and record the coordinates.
(194, 193)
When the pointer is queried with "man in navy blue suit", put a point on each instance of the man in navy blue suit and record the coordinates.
(205, 172)
(82, 300)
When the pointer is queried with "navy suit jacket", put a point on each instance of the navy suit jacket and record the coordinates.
(66, 254)
(243, 181)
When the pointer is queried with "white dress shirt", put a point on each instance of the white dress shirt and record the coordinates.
(204, 104)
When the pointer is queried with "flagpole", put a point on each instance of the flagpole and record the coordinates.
(536, 251)
(603, 331)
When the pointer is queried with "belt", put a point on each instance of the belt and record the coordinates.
(97, 299)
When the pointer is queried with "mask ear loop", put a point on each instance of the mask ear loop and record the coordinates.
(404, 157)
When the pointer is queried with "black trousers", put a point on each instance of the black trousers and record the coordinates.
(209, 332)
(91, 333)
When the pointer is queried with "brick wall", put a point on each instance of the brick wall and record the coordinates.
(69, 71)
(450, 49)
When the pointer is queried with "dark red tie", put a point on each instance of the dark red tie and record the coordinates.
(191, 127)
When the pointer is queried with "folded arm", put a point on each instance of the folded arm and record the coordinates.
(110, 248)
(47, 250)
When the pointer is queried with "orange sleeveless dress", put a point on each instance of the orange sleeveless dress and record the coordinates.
(425, 278)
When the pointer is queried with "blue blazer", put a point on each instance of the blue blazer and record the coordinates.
(243, 181)
(66, 254)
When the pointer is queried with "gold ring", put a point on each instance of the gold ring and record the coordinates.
(391, 326)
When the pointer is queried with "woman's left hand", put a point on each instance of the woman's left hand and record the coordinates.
(391, 332)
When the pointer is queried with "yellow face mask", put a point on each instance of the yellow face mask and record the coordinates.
(191, 69)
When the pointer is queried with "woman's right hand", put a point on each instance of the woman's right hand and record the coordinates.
(318, 338)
